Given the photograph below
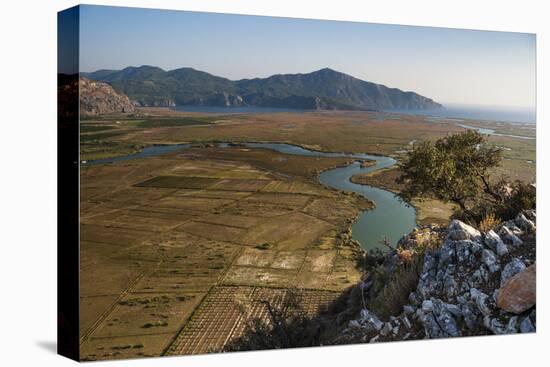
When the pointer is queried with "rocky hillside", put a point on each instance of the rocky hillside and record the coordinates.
(473, 284)
(97, 98)
(322, 89)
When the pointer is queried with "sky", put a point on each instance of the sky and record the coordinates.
(451, 66)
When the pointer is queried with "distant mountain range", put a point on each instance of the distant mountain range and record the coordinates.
(325, 89)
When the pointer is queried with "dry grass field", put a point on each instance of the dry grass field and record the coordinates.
(179, 250)
(358, 132)
(171, 243)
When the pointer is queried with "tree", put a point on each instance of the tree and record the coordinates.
(456, 168)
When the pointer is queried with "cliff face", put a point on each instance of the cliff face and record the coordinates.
(97, 98)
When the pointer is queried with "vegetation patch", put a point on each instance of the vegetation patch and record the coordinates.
(263, 246)
(460, 169)
(178, 182)
(174, 122)
(101, 135)
(90, 128)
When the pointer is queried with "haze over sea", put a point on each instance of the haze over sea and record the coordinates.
(482, 113)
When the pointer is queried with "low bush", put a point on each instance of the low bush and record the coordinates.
(489, 222)
(394, 293)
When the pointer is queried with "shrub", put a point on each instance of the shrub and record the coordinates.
(370, 259)
(287, 327)
(394, 294)
(489, 222)
(405, 256)
(516, 197)
(263, 246)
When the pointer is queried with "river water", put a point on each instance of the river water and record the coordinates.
(486, 131)
(390, 219)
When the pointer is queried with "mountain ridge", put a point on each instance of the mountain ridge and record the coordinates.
(321, 89)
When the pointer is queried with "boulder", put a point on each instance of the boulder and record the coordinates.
(427, 305)
(525, 224)
(414, 299)
(461, 231)
(479, 277)
(406, 322)
(518, 293)
(509, 236)
(386, 329)
(481, 301)
(526, 326)
(512, 268)
(454, 310)
(495, 325)
(408, 309)
(447, 253)
(531, 215)
(465, 251)
(445, 318)
(470, 315)
(371, 320)
(511, 225)
(434, 329)
(489, 259)
(512, 326)
(501, 249)
(494, 242)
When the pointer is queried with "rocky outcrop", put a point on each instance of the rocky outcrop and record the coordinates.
(98, 98)
(473, 284)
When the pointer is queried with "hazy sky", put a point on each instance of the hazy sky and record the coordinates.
(448, 65)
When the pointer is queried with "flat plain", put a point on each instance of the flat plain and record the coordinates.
(179, 250)
(167, 237)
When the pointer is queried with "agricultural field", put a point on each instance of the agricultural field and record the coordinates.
(171, 243)
(179, 251)
(223, 315)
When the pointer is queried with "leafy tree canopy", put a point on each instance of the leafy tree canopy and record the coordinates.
(458, 168)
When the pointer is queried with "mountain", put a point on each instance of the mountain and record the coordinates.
(98, 98)
(322, 89)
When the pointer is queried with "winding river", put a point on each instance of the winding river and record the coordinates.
(391, 218)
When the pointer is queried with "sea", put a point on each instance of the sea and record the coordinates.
(481, 113)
